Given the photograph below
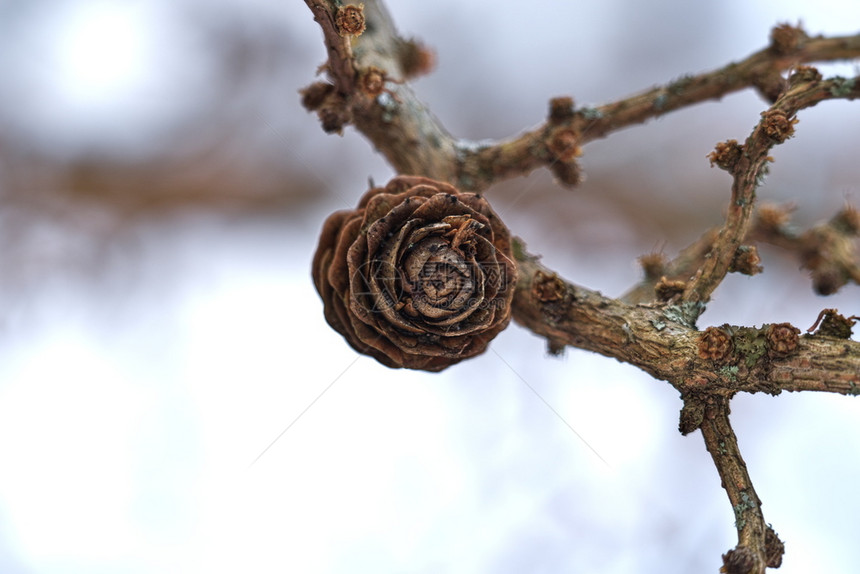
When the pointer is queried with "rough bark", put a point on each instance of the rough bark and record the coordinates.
(654, 325)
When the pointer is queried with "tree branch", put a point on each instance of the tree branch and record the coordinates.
(660, 337)
(828, 250)
(752, 553)
(747, 163)
(662, 340)
(394, 120)
(415, 142)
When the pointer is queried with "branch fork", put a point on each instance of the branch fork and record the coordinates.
(652, 326)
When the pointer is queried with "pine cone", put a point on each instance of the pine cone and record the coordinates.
(419, 276)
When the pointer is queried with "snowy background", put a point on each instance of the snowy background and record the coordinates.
(146, 366)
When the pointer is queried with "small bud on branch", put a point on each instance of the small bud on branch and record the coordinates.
(350, 20)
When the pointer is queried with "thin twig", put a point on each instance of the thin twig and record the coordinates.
(662, 340)
(828, 250)
(722, 444)
(415, 142)
(749, 170)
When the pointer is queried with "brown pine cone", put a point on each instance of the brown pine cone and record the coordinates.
(419, 276)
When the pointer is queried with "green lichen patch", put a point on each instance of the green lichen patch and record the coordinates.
(730, 372)
(518, 247)
(750, 345)
(686, 313)
(842, 87)
(591, 113)
(746, 503)
(678, 86)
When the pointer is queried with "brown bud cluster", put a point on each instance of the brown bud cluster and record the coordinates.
(771, 220)
(560, 109)
(331, 107)
(847, 221)
(829, 252)
(653, 265)
(804, 75)
(774, 548)
(785, 38)
(416, 59)
(831, 323)
(778, 126)
(419, 275)
(567, 173)
(350, 20)
(335, 116)
(564, 145)
(555, 347)
(692, 415)
(746, 261)
(715, 344)
(726, 155)
(547, 287)
(740, 560)
(782, 340)
(372, 81)
(315, 95)
(827, 279)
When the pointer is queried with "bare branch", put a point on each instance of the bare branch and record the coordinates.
(750, 166)
(415, 142)
(660, 337)
(662, 340)
(722, 444)
(395, 121)
(828, 250)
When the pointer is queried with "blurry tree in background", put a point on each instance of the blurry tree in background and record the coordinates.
(101, 114)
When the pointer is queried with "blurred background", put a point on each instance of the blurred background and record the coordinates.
(161, 191)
